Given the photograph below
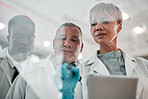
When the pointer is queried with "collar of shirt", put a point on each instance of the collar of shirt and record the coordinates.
(110, 55)
(57, 63)
(24, 63)
(11, 61)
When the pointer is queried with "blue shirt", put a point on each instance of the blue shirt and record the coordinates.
(114, 62)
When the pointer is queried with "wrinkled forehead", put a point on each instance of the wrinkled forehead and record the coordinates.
(69, 31)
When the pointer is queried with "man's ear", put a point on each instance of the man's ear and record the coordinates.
(8, 37)
(54, 44)
(81, 48)
(119, 27)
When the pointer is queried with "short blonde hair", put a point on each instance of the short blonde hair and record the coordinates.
(107, 8)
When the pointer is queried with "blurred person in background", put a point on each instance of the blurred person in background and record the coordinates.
(21, 31)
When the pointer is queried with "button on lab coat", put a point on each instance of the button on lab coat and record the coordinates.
(135, 67)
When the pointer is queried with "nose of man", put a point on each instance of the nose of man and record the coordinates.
(67, 43)
(25, 42)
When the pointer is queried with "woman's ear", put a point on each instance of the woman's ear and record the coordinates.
(119, 27)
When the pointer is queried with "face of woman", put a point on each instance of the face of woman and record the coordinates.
(104, 28)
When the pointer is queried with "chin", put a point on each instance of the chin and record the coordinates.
(67, 60)
(101, 42)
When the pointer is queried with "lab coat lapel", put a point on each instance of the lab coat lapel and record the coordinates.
(98, 66)
(6, 68)
(130, 64)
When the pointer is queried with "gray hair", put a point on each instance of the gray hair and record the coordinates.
(107, 8)
(69, 25)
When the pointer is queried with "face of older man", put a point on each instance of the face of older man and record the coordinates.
(68, 42)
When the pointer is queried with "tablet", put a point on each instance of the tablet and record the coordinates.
(112, 87)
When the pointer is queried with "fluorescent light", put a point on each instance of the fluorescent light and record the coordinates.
(138, 30)
(125, 16)
(46, 43)
(2, 26)
(80, 56)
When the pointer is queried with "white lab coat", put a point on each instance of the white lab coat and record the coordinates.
(37, 83)
(135, 67)
(7, 64)
(5, 74)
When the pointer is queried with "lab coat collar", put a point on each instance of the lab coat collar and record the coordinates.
(130, 63)
(97, 66)
(7, 63)
(5, 67)
(57, 61)
(48, 65)
(4, 64)
(3, 53)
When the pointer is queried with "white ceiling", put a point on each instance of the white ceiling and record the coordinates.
(49, 14)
